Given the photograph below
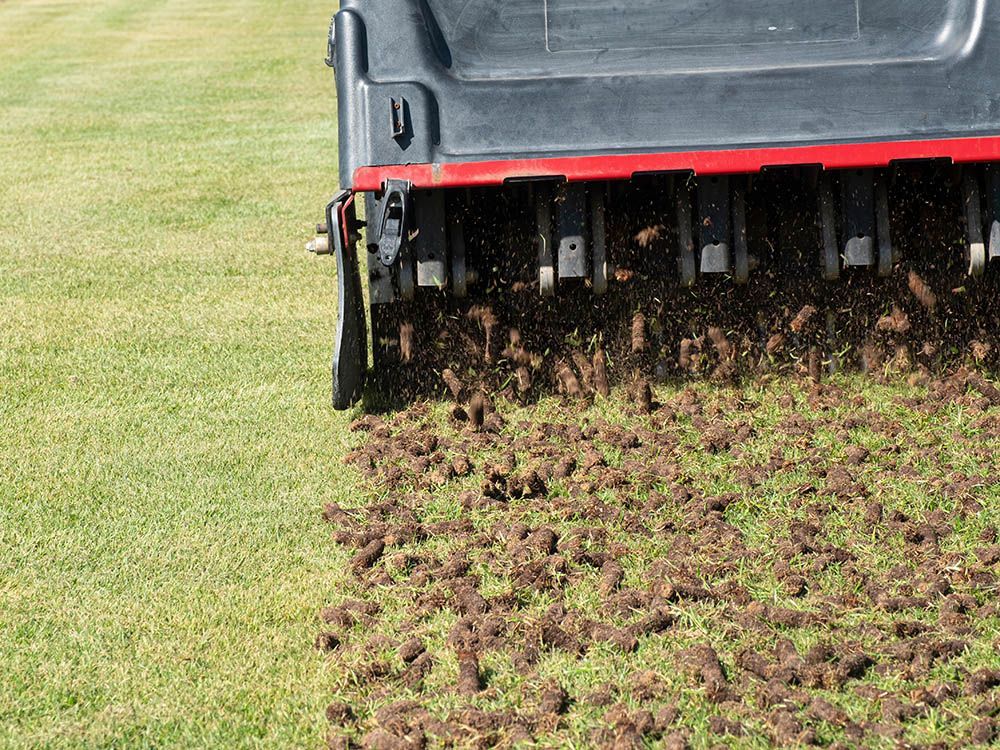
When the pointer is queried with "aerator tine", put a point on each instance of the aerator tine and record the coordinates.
(490, 161)
(864, 239)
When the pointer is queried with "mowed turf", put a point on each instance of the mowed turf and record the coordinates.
(777, 564)
(165, 435)
(166, 444)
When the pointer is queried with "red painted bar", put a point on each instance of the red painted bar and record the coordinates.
(624, 166)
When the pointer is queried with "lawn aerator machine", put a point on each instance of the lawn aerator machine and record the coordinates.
(543, 145)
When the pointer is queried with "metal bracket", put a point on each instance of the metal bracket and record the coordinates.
(546, 258)
(976, 248)
(883, 227)
(331, 44)
(599, 241)
(393, 220)
(572, 236)
(350, 351)
(380, 283)
(857, 195)
(686, 267)
(714, 220)
(993, 210)
(430, 245)
(830, 252)
(399, 114)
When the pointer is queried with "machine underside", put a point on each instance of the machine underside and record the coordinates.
(663, 189)
(672, 276)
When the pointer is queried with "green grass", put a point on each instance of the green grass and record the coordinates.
(867, 413)
(165, 436)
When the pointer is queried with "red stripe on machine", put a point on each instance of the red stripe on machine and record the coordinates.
(624, 166)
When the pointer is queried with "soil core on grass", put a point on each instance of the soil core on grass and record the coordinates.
(785, 564)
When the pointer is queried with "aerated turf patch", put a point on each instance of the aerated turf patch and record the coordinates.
(784, 563)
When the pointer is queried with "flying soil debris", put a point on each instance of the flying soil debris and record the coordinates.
(836, 177)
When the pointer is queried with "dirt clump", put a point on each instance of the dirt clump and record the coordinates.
(643, 394)
(802, 318)
(638, 333)
(469, 679)
(740, 565)
(568, 381)
(368, 555)
(704, 662)
(477, 411)
(453, 383)
(921, 291)
(601, 383)
(553, 699)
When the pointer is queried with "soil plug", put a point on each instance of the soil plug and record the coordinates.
(612, 574)
(469, 681)
(411, 650)
(554, 699)
(523, 379)
(452, 382)
(643, 396)
(921, 291)
(685, 357)
(406, 341)
(477, 410)
(802, 318)
(638, 333)
(815, 364)
(585, 368)
(368, 555)
(568, 381)
(721, 343)
(776, 343)
(601, 384)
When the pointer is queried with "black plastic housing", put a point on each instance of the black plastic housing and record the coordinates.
(451, 81)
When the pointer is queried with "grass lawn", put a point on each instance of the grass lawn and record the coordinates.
(792, 530)
(165, 435)
(166, 442)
